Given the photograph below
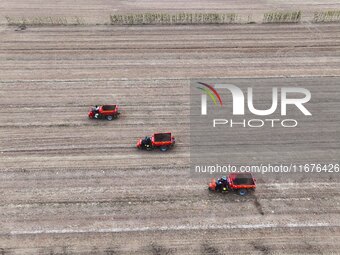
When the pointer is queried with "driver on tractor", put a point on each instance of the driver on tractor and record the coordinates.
(222, 184)
(96, 111)
(146, 142)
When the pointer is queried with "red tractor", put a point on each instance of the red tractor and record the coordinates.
(241, 183)
(108, 112)
(163, 141)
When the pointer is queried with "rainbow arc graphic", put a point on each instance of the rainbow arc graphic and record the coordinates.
(211, 92)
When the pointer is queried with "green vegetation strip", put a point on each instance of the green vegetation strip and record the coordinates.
(181, 19)
(282, 17)
(45, 21)
(326, 16)
(173, 19)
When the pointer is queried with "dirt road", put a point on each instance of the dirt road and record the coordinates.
(70, 185)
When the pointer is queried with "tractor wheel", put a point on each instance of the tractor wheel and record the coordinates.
(242, 192)
(163, 148)
(109, 117)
